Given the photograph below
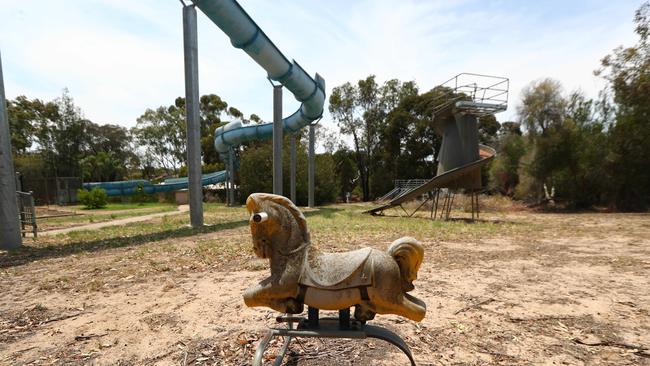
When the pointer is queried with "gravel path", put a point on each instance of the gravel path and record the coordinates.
(124, 221)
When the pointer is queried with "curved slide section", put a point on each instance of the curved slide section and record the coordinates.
(246, 35)
(445, 179)
(130, 187)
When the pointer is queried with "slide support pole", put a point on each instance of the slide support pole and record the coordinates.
(293, 168)
(311, 170)
(231, 177)
(190, 48)
(277, 139)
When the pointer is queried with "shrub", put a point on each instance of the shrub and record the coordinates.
(93, 199)
(140, 196)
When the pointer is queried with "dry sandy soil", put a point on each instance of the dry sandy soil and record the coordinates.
(519, 288)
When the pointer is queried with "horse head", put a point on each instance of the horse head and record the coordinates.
(277, 225)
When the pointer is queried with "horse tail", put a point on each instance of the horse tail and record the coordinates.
(408, 253)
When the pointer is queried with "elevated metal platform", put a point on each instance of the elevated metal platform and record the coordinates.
(476, 94)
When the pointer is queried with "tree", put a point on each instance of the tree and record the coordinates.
(211, 107)
(255, 118)
(567, 144)
(345, 171)
(488, 127)
(60, 132)
(162, 134)
(327, 139)
(256, 173)
(361, 111)
(542, 106)
(627, 71)
(102, 167)
(410, 143)
(511, 147)
(25, 116)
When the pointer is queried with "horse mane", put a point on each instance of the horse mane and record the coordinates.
(293, 210)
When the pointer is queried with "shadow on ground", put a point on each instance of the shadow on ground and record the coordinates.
(26, 253)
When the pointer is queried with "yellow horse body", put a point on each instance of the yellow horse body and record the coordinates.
(374, 281)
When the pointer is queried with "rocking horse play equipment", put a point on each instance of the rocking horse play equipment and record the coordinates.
(373, 281)
(465, 98)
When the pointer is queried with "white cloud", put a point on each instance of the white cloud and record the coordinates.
(119, 57)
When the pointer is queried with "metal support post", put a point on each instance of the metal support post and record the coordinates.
(277, 139)
(231, 177)
(292, 169)
(311, 167)
(190, 48)
(19, 182)
(10, 233)
(226, 183)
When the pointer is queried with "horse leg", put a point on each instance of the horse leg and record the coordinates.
(277, 298)
(399, 305)
(364, 312)
(414, 308)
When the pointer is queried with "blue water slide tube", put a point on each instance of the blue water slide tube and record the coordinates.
(130, 187)
(245, 34)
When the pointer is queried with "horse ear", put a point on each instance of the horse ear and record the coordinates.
(252, 205)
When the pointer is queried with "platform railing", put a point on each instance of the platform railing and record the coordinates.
(480, 94)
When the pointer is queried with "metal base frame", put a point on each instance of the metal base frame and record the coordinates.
(315, 327)
(441, 204)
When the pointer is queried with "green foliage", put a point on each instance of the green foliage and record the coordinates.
(31, 166)
(566, 149)
(627, 71)
(256, 173)
(141, 197)
(102, 167)
(25, 117)
(362, 112)
(326, 186)
(503, 172)
(345, 171)
(63, 139)
(592, 152)
(162, 134)
(255, 170)
(542, 106)
(93, 199)
(488, 127)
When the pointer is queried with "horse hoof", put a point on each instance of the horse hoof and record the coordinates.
(294, 307)
(363, 314)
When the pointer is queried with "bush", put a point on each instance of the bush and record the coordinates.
(93, 199)
(140, 196)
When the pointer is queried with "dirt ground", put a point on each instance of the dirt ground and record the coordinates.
(517, 289)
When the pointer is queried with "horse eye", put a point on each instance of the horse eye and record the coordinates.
(260, 217)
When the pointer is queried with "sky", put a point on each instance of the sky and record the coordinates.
(120, 57)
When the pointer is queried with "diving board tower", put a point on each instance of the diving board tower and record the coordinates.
(463, 100)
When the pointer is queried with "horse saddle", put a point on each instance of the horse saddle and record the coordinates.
(337, 271)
